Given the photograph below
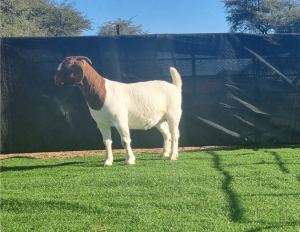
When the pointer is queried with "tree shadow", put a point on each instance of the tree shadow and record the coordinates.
(24, 168)
(236, 211)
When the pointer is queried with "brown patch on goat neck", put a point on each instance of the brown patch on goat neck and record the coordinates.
(93, 87)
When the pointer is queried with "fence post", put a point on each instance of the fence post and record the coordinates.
(118, 29)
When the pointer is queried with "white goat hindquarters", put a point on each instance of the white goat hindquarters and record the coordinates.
(148, 103)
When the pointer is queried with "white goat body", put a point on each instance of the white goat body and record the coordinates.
(141, 105)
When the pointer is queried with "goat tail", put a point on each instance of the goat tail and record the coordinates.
(176, 78)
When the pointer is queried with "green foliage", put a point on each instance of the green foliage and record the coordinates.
(126, 27)
(263, 16)
(217, 190)
(41, 18)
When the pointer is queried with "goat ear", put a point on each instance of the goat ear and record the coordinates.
(78, 72)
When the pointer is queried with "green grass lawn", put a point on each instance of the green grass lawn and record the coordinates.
(221, 190)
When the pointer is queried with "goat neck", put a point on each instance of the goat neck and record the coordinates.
(93, 87)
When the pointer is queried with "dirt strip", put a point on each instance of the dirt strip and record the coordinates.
(70, 154)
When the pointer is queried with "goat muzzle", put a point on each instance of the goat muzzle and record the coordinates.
(58, 82)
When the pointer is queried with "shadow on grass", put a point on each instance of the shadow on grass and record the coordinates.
(236, 211)
(119, 160)
(27, 205)
(19, 157)
(24, 168)
(281, 164)
(273, 226)
(152, 159)
(271, 194)
(256, 147)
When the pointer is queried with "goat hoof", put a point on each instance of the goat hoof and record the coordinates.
(129, 162)
(164, 156)
(173, 158)
(107, 163)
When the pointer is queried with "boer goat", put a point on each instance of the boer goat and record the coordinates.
(141, 105)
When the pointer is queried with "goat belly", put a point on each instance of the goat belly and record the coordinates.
(145, 122)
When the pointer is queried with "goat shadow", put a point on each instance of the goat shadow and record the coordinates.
(25, 168)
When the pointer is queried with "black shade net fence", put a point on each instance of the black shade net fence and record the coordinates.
(237, 89)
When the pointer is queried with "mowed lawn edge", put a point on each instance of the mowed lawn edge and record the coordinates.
(242, 189)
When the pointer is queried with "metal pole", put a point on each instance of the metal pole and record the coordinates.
(118, 29)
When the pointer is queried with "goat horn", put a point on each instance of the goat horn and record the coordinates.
(83, 58)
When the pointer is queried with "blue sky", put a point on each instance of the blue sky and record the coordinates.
(158, 16)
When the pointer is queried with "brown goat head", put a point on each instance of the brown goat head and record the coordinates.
(70, 71)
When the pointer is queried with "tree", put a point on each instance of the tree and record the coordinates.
(126, 27)
(263, 16)
(41, 18)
